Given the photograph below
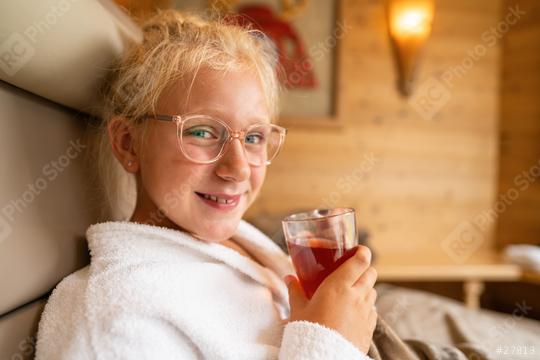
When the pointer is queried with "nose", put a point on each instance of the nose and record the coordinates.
(233, 165)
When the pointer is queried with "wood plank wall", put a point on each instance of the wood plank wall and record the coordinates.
(431, 174)
(520, 128)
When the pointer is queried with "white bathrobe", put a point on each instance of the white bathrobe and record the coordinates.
(157, 293)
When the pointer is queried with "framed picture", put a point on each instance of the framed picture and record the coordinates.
(320, 28)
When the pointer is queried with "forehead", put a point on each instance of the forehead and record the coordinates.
(236, 97)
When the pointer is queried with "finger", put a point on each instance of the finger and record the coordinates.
(372, 320)
(352, 269)
(297, 298)
(367, 280)
(371, 298)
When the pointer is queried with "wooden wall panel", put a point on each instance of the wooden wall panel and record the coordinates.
(520, 125)
(430, 174)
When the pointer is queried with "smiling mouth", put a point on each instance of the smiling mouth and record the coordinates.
(219, 199)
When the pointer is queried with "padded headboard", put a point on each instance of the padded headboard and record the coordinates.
(61, 49)
(44, 201)
(52, 56)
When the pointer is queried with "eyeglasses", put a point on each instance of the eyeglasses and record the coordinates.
(204, 139)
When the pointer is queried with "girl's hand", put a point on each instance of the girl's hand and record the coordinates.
(345, 300)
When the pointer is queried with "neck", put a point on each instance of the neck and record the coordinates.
(146, 212)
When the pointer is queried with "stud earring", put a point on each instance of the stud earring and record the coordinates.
(130, 163)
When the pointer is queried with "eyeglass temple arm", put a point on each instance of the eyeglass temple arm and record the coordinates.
(164, 117)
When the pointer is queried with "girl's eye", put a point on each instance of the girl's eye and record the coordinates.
(254, 138)
(200, 133)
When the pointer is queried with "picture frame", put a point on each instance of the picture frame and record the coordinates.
(330, 40)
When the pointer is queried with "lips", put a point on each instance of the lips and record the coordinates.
(221, 201)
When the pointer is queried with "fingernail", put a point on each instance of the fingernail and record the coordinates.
(288, 279)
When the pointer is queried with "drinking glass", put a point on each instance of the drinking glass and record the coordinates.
(319, 241)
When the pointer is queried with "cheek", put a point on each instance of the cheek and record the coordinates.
(166, 175)
(164, 178)
(257, 178)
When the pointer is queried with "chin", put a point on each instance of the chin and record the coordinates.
(217, 232)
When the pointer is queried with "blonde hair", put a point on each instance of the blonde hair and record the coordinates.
(175, 46)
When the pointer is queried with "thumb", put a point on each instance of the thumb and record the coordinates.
(297, 298)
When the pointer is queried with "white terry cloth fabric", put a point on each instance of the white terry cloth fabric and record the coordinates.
(157, 293)
(525, 255)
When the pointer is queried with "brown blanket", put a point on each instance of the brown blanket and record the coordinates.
(387, 344)
(417, 325)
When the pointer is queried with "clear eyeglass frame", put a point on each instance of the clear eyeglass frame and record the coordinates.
(231, 135)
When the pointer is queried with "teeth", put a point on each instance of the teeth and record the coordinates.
(216, 199)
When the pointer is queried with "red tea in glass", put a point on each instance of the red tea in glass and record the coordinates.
(319, 241)
(315, 262)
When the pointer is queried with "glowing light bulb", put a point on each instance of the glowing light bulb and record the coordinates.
(412, 21)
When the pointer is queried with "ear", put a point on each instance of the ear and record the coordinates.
(122, 137)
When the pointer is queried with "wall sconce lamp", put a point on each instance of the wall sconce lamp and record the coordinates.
(409, 26)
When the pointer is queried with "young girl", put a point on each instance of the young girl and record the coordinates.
(189, 113)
